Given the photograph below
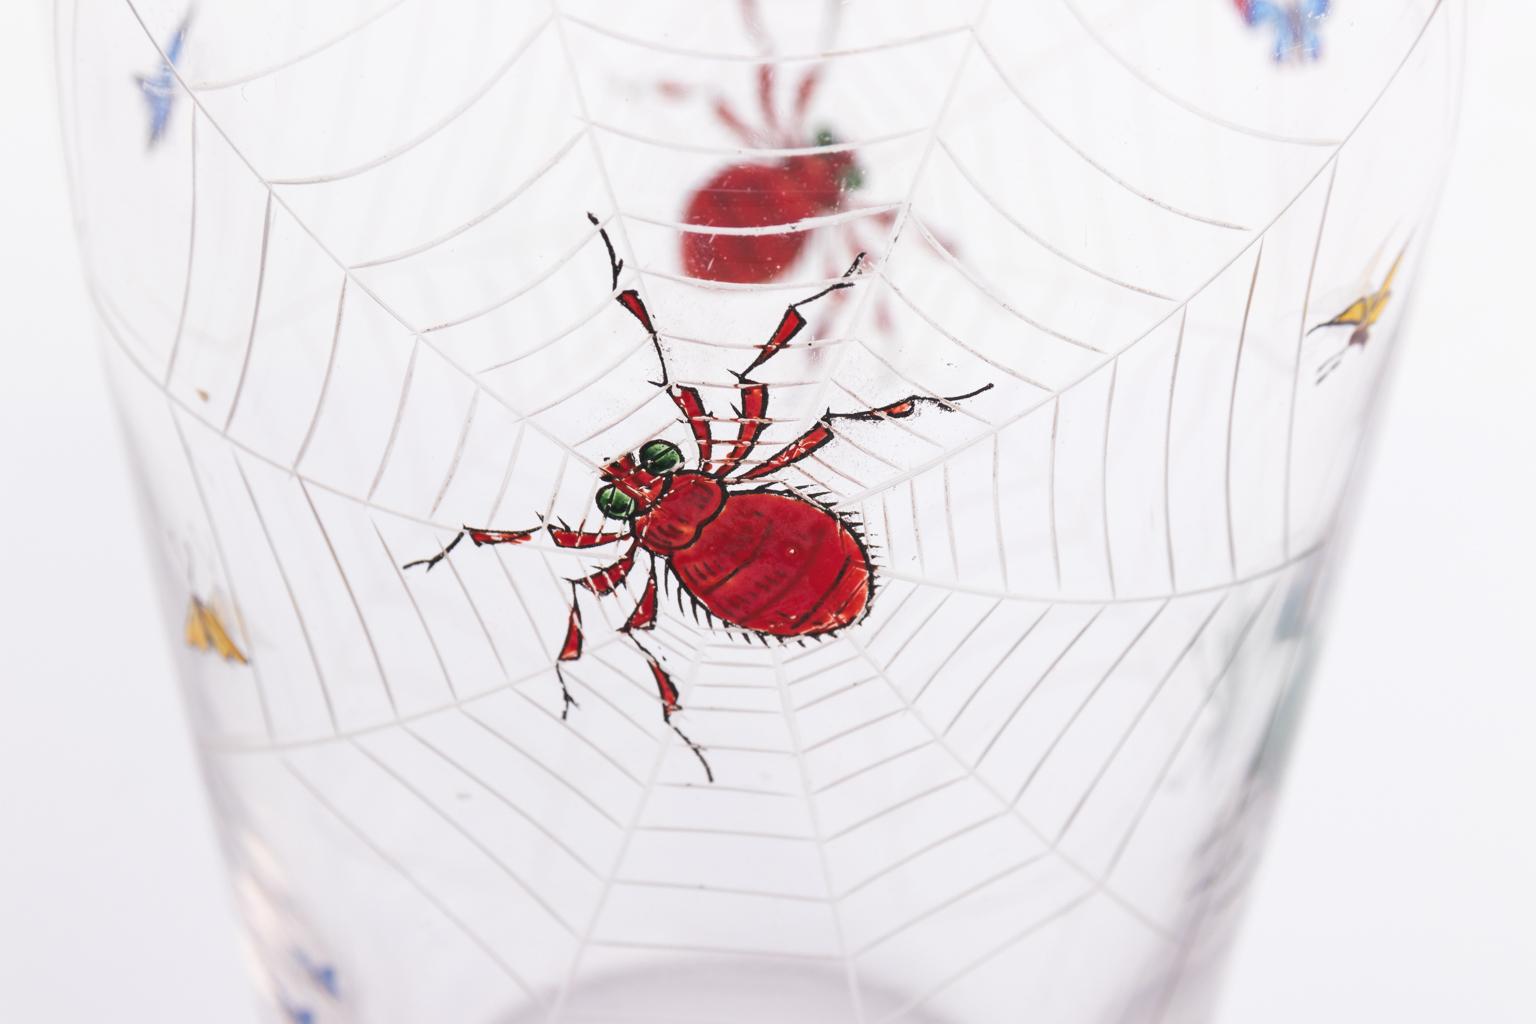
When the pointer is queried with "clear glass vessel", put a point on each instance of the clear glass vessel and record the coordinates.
(697, 512)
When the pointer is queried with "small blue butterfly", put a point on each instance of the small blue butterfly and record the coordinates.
(1294, 23)
(323, 975)
(298, 1014)
(159, 89)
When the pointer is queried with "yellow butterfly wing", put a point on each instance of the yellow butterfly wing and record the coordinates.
(1378, 301)
(1354, 315)
(205, 632)
(197, 629)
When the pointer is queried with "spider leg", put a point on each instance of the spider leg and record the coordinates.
(733, 122)
(685, 398)
(751, 418)
(792, 322)
(752, 19)
(644, 615)
(480, 537)
(565, 537)
(805, 92)
(430, 563)
(667, 690)
(692, 406)
(630, 299)
(604, 581)
(610, 577)
(819, 435)
(765, 98)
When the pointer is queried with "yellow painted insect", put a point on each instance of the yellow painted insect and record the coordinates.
(205, 632)
(1362, 315)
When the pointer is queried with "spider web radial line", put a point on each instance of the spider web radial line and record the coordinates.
(1088, 698)
(215, 85)
(1173, 384)
(331, 255)
(342, 735)
(229, 580)
(1005, 806)
(997, 208)
(460, 829)
(1050, 490)
(555, 266)
(443, 123)
(399, 417)
(998, 950)
(888, 759)
(1257, 235)
(902, 804)
(1124, 599)
(293, 600)
(1301, 337)
(1000, 534)
(969, 891)
(1167, 94)
(986, 290)
(426, 630)
(1082, 154)
(1002, 660)
(506, 801)
(926, 848)
(1260, 607)
(1114, 754)
(357, 608)
(863, 301)
(250, 340)
(1237, 371)
(431, 898)
(107, 317)
(186, 291)
(512, 744)
(792, 723)
(484, 215)
(325, 380)
(1109, 417)
(458, 453)
(1034, 687)
(1192, 931)
(595, 313)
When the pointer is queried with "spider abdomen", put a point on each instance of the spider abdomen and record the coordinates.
(777, 564)
(754, 196)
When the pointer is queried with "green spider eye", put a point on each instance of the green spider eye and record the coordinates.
(614, 503)
(825, 138)
(853, 178)
(660, 457)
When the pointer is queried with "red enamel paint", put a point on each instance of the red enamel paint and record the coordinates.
(759, 196)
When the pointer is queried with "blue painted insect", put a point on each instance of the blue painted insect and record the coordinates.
(323, 975)
(159, 88)
(1294, 22)
(298, 1014)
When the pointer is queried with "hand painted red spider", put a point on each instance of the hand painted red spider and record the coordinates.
(774, 563)
(813, 183)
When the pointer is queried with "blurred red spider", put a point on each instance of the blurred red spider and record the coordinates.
(815, 179)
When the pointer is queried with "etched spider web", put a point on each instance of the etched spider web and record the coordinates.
(1063, 674)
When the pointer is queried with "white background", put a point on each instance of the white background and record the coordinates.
(1399, 886)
